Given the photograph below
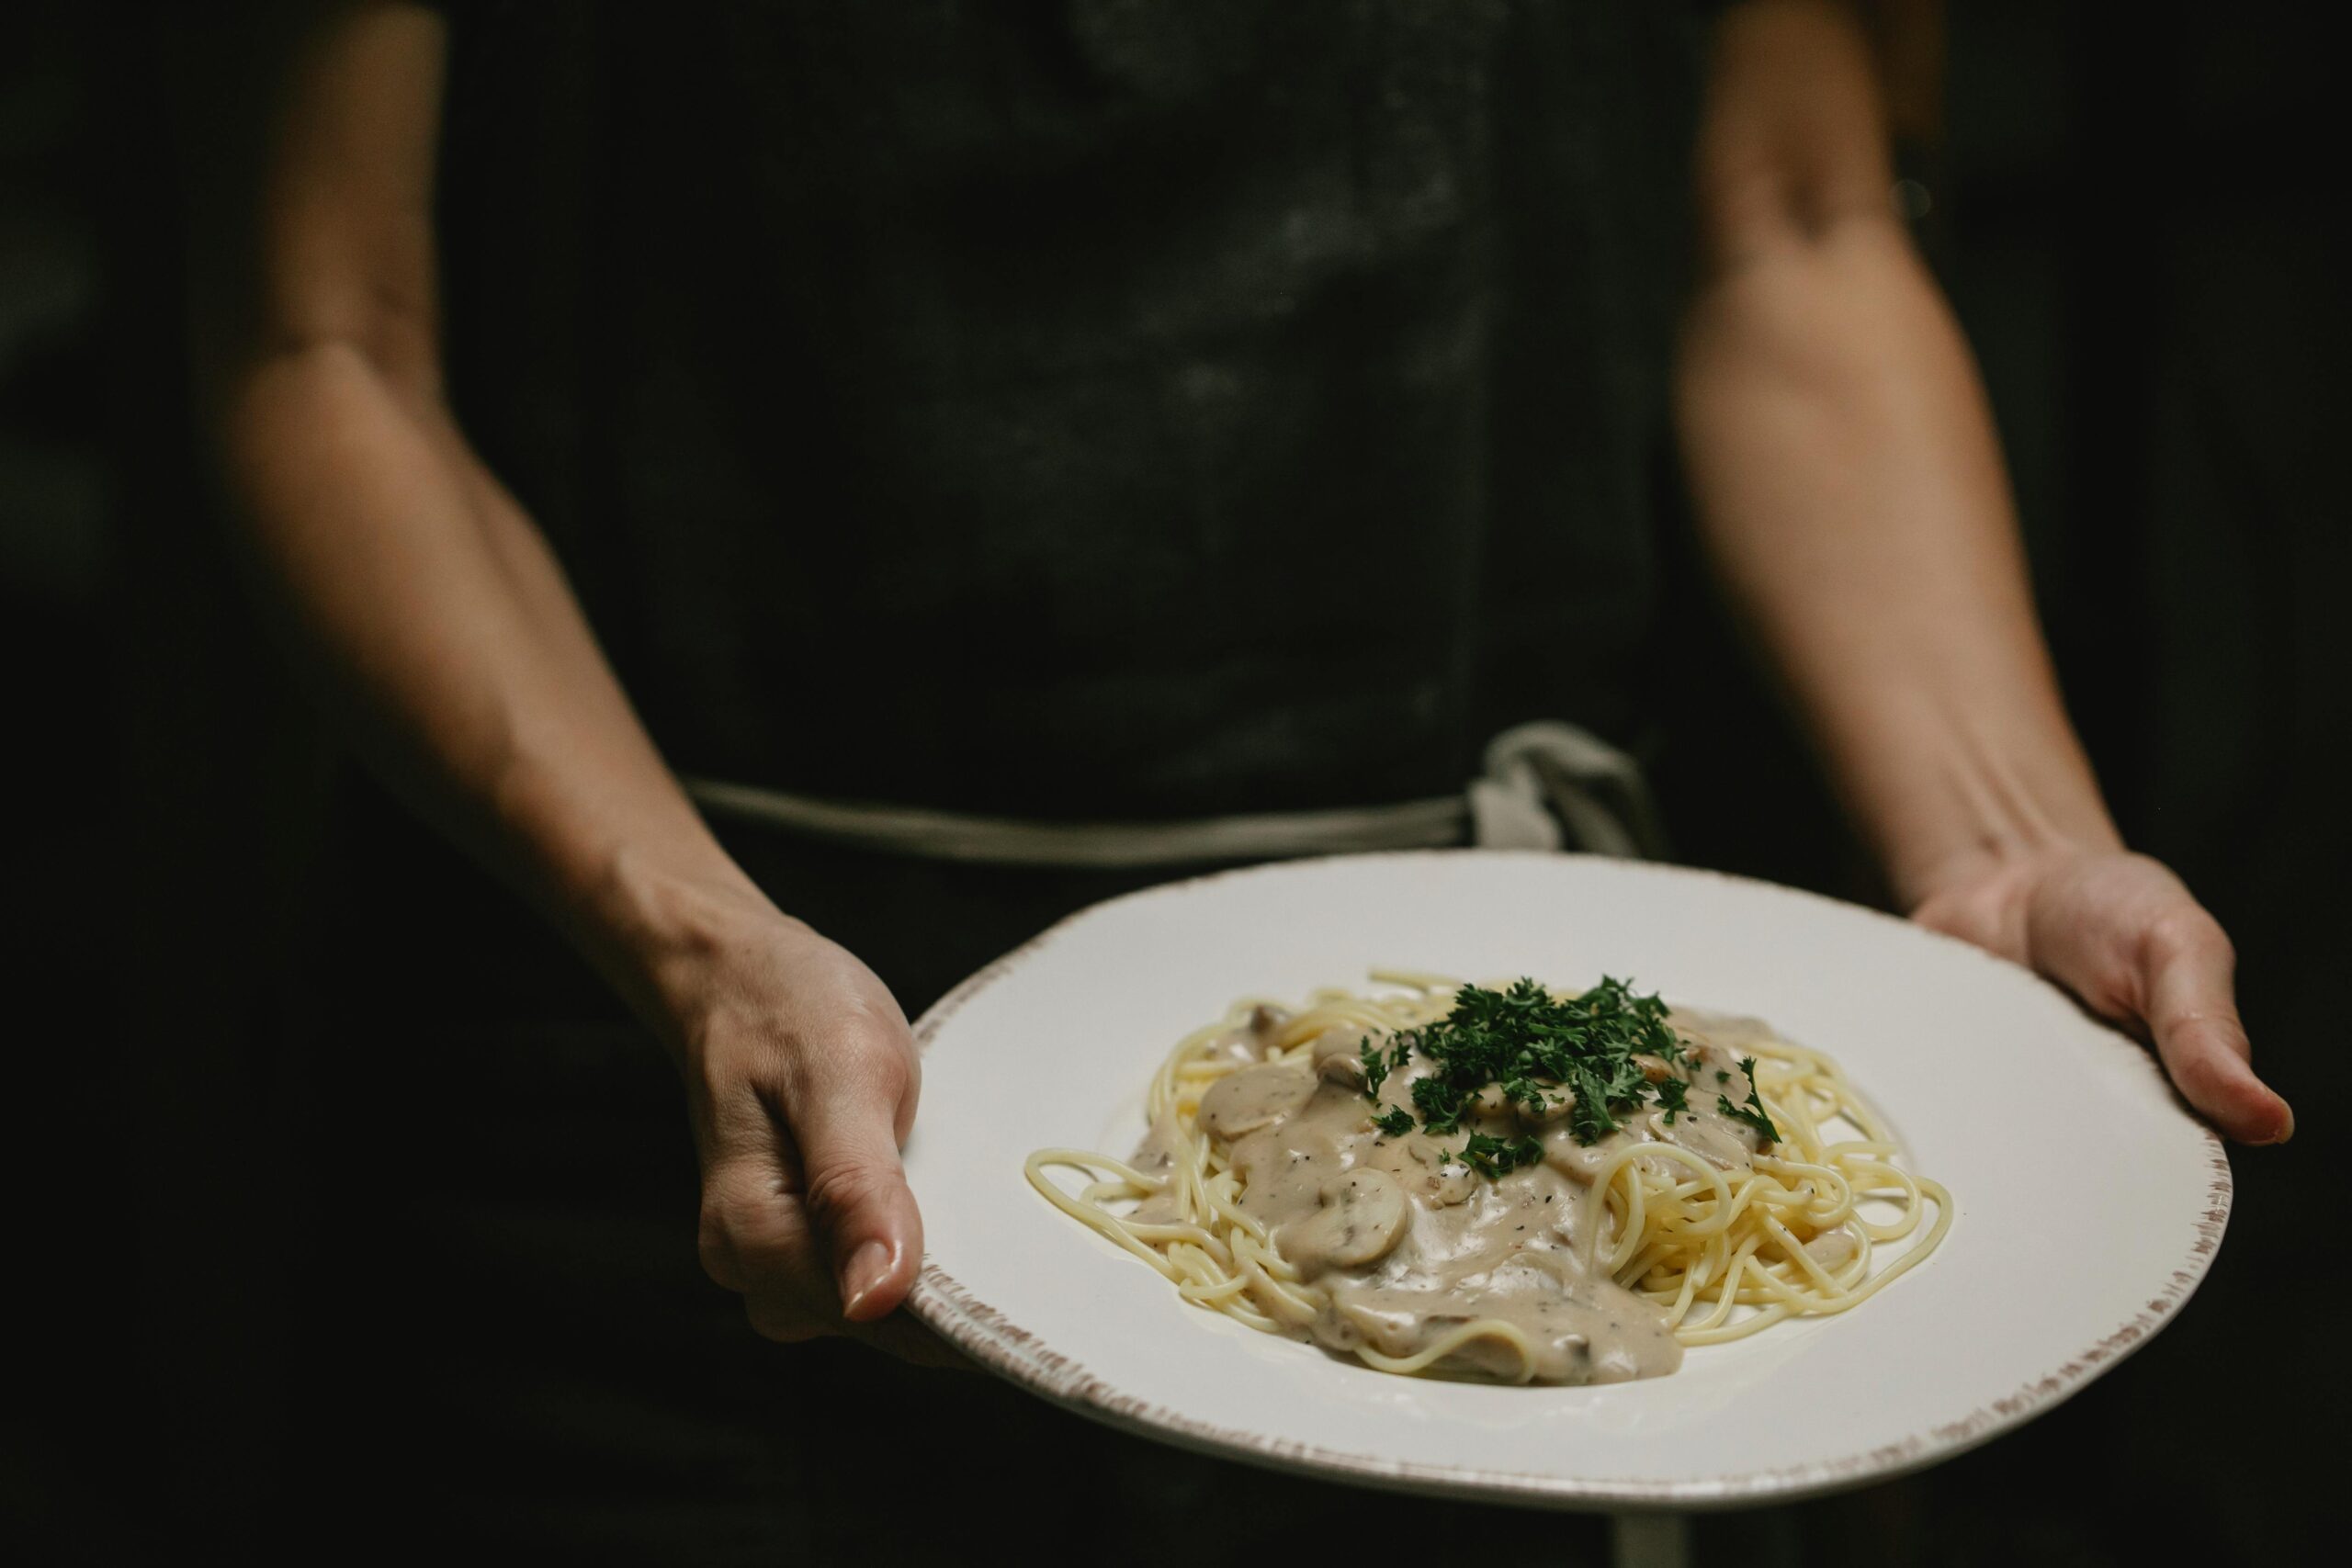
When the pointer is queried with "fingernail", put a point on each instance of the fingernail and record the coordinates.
(2286, 1127)
(864, 1272)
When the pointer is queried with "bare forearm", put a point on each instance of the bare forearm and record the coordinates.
(445, 634)
(452, 645)
(1851, 490)
(1852, 497)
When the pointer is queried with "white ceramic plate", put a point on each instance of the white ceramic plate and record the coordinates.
(2088, 1202)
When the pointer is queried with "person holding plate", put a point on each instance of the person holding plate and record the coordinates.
(808, 497)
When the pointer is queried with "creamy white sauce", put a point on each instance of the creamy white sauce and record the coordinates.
(1406, 1243)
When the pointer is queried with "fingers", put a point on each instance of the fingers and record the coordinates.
(846, 1122)
(2125, 935)
(802, 1078)
(760, 1239)
(2188, 981)
(755, 1239)
(806, 1207)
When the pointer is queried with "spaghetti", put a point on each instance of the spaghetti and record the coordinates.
(1266, 1191)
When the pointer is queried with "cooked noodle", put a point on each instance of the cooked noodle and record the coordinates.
(1721, 1253)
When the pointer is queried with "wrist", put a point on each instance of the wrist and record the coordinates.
(1983, 815)
(671, 934)
(633, 876)
(1989, 864)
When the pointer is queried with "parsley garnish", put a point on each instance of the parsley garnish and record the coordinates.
(1500, 1156)
(1375, 1068)
(1538, 1049)
(1753, 1111)
(1395, 1123)
(1670, 1094)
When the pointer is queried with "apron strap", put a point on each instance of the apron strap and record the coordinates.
(1550, 785)
(1547, 785)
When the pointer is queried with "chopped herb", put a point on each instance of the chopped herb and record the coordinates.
(1395, 1123)
(1541, 1052)
(1671, 1094)
(1439, 1105)
(1497, 1156)
(1375, 1068)
(1753, 1111)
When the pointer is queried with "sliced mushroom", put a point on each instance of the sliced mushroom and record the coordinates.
(1557, 1103)
(1338, 1069)
(1152, 1154)
(1453, 1182)
(1391, 1322)
(1577, 1161)
(1253, 1098)
(1265, 1023)
(1359, 1217)
(1716, 1075)
(1427, 1169)
(1834, 1248)
(1343, 1042)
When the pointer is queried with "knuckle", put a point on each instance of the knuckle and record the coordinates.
(715, 1248)
(851, 1065)
(846, 1183)
(893, 1074)
(2187, 931)
(725, 1062)
(860, 1030)
(746, 1231)
(735, 1205)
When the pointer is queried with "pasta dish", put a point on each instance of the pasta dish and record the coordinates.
(1508, 1182)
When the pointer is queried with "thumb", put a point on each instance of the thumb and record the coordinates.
(856, 1192)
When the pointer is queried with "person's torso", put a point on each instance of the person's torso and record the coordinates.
(1093, 408)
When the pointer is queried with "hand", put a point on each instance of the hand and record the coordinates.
(2123, 933)
(802, 1079)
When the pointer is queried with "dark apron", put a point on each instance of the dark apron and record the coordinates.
(1066, 413)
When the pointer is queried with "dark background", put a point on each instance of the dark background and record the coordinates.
(2132, 218)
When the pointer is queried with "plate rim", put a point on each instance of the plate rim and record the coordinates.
(985, 1335)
